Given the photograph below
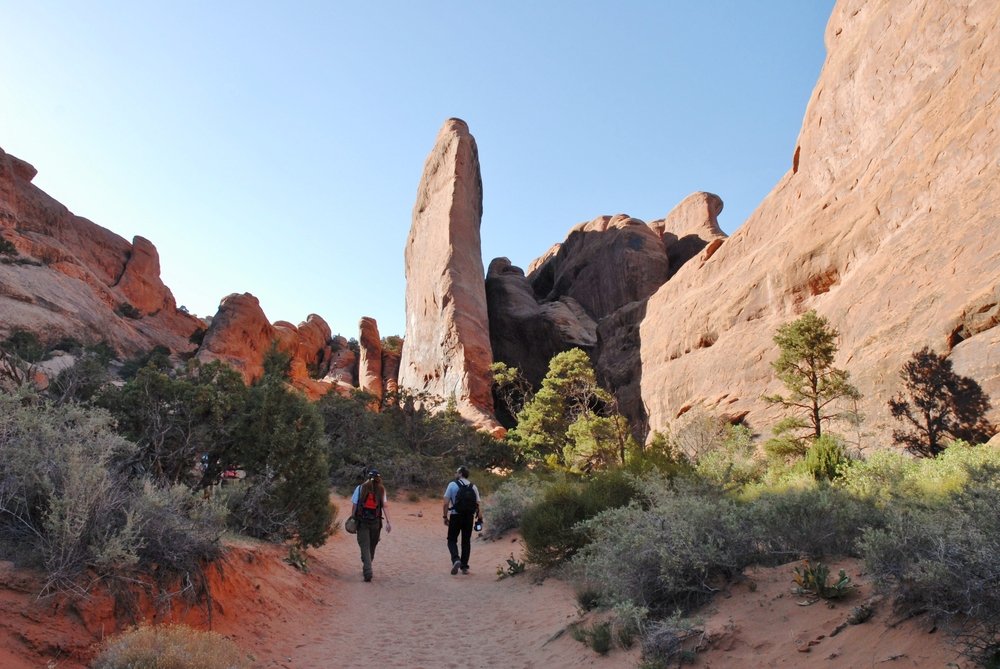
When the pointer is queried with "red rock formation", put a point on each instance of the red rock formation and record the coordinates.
(72, 278)
(690, 227)
(343, 370)
(390, 371)
(370, 360)
(447, 351)
(240, 336)
(884, 224)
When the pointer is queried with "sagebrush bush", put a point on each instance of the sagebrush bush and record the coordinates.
(812, 522)
(171, 647)
(181, 530)
(888, 476)
(668, 556)
(941, 558)
(505, 507)
(62, 495)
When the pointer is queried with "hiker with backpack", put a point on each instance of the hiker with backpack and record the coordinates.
(368, 506)
(461, 509)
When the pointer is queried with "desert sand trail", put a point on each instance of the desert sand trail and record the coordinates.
(415, 614)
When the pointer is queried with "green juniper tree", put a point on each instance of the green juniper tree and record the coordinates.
(571, 419)
(805, 365)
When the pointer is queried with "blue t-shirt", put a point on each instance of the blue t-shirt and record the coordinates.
(452, 490)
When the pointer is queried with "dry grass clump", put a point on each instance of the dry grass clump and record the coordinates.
(171, 647)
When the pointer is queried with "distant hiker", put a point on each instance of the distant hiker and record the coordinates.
(461, 509)
(368, 505)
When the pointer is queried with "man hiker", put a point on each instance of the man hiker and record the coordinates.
(461, 509)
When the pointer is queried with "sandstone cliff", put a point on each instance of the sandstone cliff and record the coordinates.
(885, 223)
(70, 278)
(447, 349)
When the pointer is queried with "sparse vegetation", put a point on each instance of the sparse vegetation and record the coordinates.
(171, 647)
(814, 579)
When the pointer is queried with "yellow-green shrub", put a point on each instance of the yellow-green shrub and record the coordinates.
(171, 647)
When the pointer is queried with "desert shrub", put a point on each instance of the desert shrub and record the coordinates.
(550, 526)
(886, 476)
(660, 456)
(177, 418)
(669, 555)
(825, 457)
(735, 463)
(84, 379)
(180, 530)
(171, 647)
(412, 447)
(7, 247)
(940, 558)
(126, 310)
(505, 507)
(664, 640)
(812, 522)
(628, 621)
(62, 495)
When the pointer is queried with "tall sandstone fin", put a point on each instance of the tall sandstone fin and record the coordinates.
(447, 347)
(885, 223)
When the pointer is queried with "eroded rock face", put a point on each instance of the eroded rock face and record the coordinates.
(590, 292)
(690, 228)
(240, 336)
(603, 264)
(885, 224)
(73, 279)
(447, 351)
(370, 360)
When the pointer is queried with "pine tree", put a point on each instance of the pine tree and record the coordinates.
(808, 346)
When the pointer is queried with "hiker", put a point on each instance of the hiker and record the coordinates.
(461, 507)
(368, 505)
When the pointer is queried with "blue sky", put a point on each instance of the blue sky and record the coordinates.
(276, 148)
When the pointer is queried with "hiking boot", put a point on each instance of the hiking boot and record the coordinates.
(465, 570)
(368, 579)
(455, 567)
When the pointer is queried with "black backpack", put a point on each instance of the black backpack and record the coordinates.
(465, 499)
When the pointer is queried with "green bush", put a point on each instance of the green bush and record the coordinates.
(735, 464)
(825, 457)
(171, 647)
(813, 522)
(550, 527)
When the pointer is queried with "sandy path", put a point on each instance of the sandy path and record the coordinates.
(415, 614)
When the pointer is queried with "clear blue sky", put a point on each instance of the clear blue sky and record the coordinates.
(275, 148)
